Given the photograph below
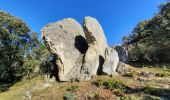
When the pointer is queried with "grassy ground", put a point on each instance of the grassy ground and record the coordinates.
(146, 83)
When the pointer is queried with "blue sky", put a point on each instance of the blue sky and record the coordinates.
(117, 17)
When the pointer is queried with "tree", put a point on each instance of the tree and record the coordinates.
(14, 38)
(151, 37)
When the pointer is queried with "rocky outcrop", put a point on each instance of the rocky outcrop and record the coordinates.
(111, 61)
(79, 52)
(123, 55)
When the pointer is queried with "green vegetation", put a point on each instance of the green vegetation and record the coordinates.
(13, 46)
(72, 88)
(113, 85)
(21, 53)
(99, 82)
(150, 39)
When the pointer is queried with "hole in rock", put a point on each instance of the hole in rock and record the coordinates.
(81, 44)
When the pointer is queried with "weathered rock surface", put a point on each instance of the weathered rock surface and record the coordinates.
(123, 55)
(66, 41)
(91, 60)
(111, 61)
(94, 57)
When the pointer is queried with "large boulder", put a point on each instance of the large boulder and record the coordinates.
(95, 34)
(111, 61)
(123, 54)
(97, 45)
(65, 39)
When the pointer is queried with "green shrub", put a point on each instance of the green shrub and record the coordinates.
(96, 95)
(98, 82)
(120, 92)
(112, 84)
(118, 86)
(72, 88)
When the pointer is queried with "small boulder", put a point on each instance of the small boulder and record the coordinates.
(124, 68)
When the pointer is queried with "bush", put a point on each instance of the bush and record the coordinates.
(72, 88)
(118, 86)
(98, 82)
(112, 84)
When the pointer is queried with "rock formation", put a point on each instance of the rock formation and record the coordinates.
(79, 52)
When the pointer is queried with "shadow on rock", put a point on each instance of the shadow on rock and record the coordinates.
(101, 62)
(81, 44)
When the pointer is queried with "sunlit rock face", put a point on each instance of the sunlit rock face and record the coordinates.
(111, 61)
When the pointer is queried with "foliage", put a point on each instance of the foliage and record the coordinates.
(72, 88)
(21, 53)
(118, 86)
(14, 40)
(150, 39)
(112, 84)
(99, 82)
(38, 59)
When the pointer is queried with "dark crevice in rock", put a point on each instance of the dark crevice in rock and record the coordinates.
(81, 44)
(101, 62)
